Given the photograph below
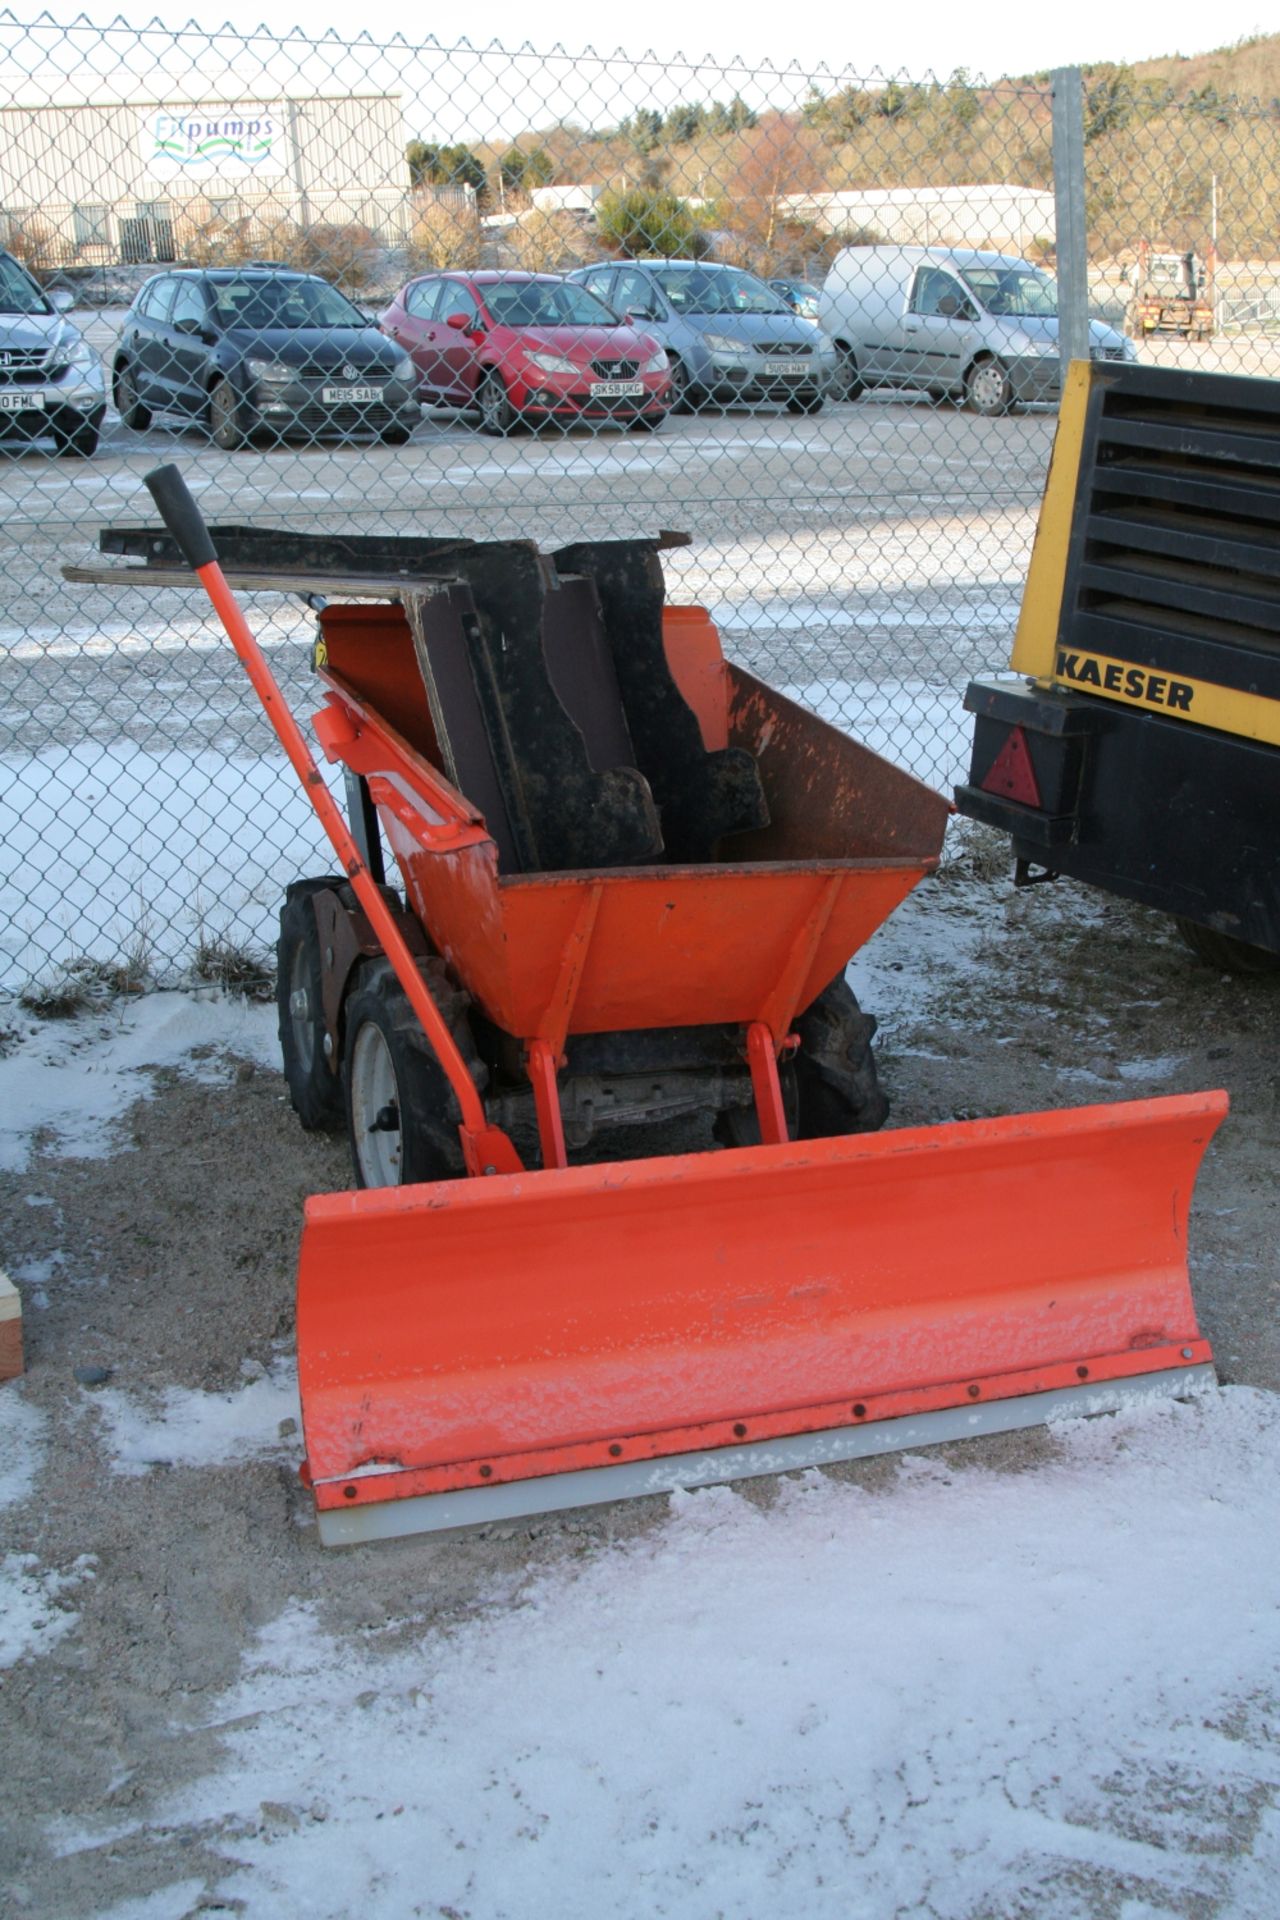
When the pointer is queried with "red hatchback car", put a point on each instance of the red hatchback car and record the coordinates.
(527, 347)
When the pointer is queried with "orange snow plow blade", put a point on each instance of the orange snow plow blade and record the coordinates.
(474, 1350)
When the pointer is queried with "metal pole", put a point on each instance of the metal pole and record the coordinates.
(1068, 194)
(299, 177)
(1213, 256)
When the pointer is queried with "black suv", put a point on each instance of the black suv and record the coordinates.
(260, 351)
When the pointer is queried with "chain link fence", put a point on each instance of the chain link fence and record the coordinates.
(766, 323)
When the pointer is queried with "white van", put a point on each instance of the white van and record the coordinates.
(954, 321)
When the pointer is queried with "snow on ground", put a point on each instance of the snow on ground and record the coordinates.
(31, 1620)
(195, 1429)
(22, 1442)
(802, 616)
(118, 844)
(113, 845)
(899, 556)
(921, 728)
(73, 1079)
(963, 1693)
(275, 624)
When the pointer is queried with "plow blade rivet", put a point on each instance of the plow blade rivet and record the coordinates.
(740, 1430)
(348, 1493)
(485, 1472)
(1187, 1352)
(615, 1449)
(859, 1411)
(974, 1391)
(1082, 1373)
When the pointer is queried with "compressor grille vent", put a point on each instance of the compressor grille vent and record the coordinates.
(1174, 560)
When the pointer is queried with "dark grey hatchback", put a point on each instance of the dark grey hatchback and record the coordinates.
(260, 352)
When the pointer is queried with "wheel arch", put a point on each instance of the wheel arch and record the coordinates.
(232, 377)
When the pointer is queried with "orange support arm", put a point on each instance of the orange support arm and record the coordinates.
(486, 1149)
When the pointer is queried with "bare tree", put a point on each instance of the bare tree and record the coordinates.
(775, 159)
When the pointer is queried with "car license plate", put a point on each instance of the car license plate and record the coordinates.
(21, 402)
(617, 389)
(350, 396)
(792, 368)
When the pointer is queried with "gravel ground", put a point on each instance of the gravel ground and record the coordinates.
(173, 1266)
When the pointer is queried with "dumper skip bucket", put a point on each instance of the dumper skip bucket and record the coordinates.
(470, 1351)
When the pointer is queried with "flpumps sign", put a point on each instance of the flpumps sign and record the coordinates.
(199, 143)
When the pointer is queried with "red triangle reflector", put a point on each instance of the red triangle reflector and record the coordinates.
(1011, 772)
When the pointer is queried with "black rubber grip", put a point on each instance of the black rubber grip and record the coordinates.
(181, 515)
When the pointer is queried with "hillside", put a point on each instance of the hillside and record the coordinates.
(1171, 144)
(1248, 72)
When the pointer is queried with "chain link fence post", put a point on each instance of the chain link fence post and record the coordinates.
(1069, 210)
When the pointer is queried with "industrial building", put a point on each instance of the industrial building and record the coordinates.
(1007, 218)
(142, 180)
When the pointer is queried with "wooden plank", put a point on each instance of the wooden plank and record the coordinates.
(351, 586)
(10, 1329)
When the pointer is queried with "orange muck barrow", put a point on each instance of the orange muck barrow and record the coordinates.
(633, 878)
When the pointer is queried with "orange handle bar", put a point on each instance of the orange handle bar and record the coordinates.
(486, 1149)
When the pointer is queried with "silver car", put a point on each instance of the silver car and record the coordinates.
(728, 336)
(51, 381)
(959, 321)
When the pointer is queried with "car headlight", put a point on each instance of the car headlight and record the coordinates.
(272, 373)
(402, 368)
(77, 356)
(553, 362)
(1039, 349)
(721, 343)
(656, 363)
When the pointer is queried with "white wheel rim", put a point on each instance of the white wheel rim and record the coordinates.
(988, 386)
(373, 1088)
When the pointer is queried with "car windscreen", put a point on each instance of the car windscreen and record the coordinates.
(695, 290)
(1022, 291)
(545, 303)
(19, 293)
(261, 304)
